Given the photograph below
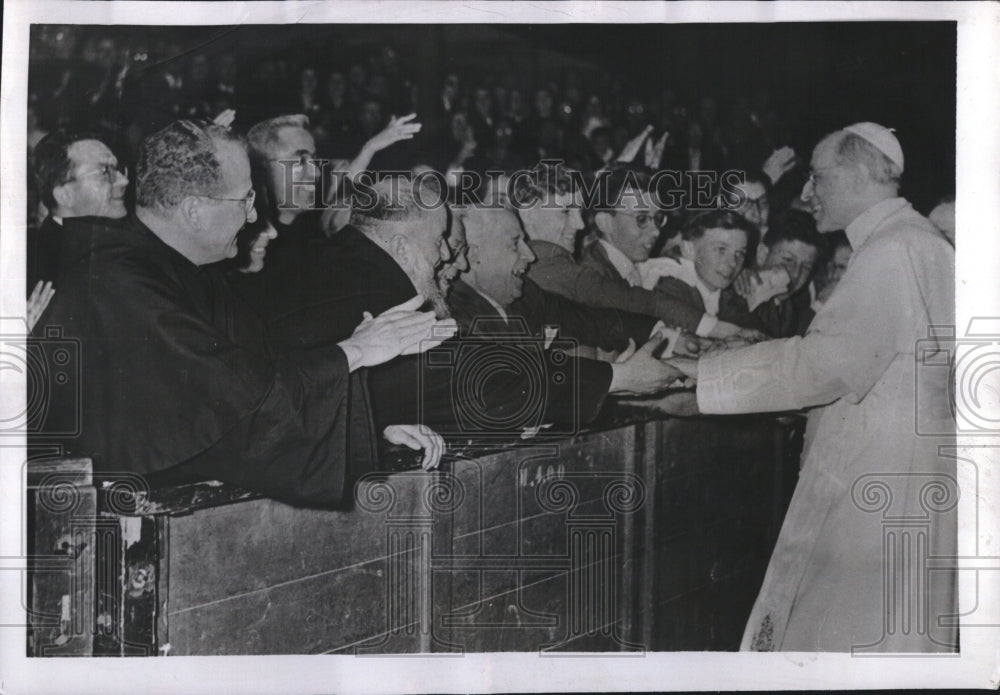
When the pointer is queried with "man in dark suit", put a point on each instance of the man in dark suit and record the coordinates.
(494, 288)
(77, 176)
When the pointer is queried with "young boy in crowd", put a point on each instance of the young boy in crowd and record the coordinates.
(714, 246)
(778, 291)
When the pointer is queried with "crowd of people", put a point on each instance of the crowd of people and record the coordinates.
(256, 305)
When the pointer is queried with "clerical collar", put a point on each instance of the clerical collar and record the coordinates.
(57, 220)
(621, 263)
(868, 221)
(493, 303)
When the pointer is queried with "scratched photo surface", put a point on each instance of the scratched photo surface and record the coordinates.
(564, 525)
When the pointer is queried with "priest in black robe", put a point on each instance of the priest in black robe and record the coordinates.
(177, 381)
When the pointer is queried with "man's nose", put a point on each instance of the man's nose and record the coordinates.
(576, 219)
(527, 254)
(807, 191)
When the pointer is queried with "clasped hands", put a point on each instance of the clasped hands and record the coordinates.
(641, 372)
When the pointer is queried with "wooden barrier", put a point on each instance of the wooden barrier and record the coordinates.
(639, 536)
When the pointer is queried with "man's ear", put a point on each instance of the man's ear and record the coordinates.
(603, 221)
(861, 177)
(762, 252)
(399, 248)
(64, 196)
(687, 249)
(191, 211)
(471, 254)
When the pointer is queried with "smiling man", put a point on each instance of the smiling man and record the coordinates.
(77, 176)
(835, 581)
(606, 275)
(178, 382)
(495, 287)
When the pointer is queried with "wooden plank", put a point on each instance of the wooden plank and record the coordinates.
(62, 559)
(231, 567)
(50, 471)
(311, 615)
(541, 502)
(711, 528)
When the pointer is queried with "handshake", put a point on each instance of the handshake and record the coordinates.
(661, 375)
(668, 361)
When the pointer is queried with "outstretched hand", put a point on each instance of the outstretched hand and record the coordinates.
(401, 330)
(686, 366)
(402, 128)
(679, 403)
(779, 163)
(642, 373)
(418, 437)
(38, 301)
(225, 118)
(759, 286)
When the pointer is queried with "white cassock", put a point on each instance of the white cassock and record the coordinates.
(875, 500)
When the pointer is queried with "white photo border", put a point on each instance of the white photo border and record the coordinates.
(977, 272)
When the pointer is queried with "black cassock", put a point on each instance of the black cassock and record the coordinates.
(313, 294)
(178, 381)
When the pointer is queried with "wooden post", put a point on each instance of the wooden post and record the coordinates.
(64, 503)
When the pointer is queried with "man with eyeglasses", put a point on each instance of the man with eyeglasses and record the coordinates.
(77, 175)
(178, 380)
(868, 368)
(606, 276)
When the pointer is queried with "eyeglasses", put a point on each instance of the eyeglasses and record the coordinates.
(759, 204)
(303, 159)
(645, 219)
(813, 172)
(247, 200)
(108, 171)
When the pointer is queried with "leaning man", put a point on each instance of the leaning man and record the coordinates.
(177, 381)
(874, 501)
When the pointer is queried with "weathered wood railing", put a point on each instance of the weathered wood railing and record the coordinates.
(648, 535)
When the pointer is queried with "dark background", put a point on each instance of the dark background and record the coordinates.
(820, 76)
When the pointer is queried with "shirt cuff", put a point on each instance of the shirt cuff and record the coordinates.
(706, 325)
(707, 391)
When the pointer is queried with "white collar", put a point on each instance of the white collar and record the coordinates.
(495, 304)
(709, 296)
(57, 220)
(868, 221)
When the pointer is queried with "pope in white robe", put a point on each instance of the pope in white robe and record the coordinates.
(875, 500)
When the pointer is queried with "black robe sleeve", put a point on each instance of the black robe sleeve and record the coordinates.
(176, 373)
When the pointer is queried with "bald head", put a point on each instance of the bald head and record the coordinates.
(498, 253)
